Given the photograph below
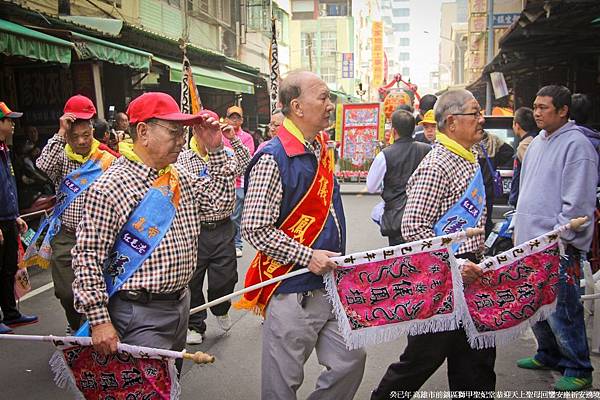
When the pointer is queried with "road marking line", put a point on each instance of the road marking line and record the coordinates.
(37, 291)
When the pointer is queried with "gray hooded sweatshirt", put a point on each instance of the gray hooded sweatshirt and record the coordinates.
(558, 183)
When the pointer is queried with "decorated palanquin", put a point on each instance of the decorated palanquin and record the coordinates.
(417, 288)
(517, 289)
(411, 288)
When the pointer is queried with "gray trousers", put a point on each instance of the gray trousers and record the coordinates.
(160, 323)
(290, 333)
(63, 275)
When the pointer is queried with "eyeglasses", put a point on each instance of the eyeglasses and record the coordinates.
(475, 114)
(175, 132)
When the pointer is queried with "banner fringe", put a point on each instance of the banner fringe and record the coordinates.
(486, 340)
(175, 384)
(250, 305)
(63, 377)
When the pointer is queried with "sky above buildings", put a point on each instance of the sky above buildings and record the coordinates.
(425, 39)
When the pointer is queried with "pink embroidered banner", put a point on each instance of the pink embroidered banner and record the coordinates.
(411, 288)
(518, 289)
(417, 288)
(122, 376)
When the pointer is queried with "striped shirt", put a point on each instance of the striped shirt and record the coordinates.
(55, 163)
(107, 206)
(437, 184)
(195, 165)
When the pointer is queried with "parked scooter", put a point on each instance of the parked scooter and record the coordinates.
(500, 239)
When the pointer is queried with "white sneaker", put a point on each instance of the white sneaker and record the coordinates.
(238, 252)
(224, 322)
(193, 337)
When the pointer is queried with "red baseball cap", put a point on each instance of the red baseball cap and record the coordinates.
(80, 106)
(158, 105)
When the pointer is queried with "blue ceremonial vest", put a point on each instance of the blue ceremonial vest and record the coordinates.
(297, 168)
(466, 212)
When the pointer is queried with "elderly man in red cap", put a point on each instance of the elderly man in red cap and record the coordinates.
(73, 159)
(216, 247)
(137, 241)
(235, 118)
(10, 227)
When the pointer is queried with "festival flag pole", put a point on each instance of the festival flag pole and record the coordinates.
(197, 357)
(274, 67)
(454, 237)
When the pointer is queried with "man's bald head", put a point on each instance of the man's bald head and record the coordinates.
(292, 86)
(305, 101)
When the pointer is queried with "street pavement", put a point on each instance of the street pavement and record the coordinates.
(25, 374)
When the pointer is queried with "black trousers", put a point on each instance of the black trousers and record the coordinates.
(395, 240)
(216, 255)
(8, 268)
(468, 369)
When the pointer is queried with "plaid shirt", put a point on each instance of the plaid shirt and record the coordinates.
(195, 164)
(108, 204)
(261, 211)
(55, 163)
(437, 184)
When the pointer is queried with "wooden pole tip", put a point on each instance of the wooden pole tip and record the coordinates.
(199, 357)
(577, 222)
(475, 232)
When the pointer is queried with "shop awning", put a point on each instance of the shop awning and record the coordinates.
(89, 47)
(17, 40)
(209, 77)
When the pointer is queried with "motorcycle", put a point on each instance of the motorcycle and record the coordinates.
(35, 190)
(500, 238)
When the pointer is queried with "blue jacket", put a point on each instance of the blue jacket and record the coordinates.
(297, 167)
(9, 205)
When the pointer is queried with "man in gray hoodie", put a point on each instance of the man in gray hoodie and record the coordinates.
(558, 183)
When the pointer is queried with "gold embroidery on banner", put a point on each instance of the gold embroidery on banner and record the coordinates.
(139, 225)
(153, 231)
(301, 226)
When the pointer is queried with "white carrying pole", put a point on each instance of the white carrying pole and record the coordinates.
(198, 357)
(458, 236)
(246, 290)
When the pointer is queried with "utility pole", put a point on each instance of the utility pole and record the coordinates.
(490, 55)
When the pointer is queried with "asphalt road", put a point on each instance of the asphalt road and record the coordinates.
(25, 374)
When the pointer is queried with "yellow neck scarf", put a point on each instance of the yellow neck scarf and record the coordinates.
(195, 149)
(454, 147)
(294, 130)
(127, 151)
(71, 155)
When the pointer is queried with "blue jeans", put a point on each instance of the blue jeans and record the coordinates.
(236, 217)
(562, 341)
